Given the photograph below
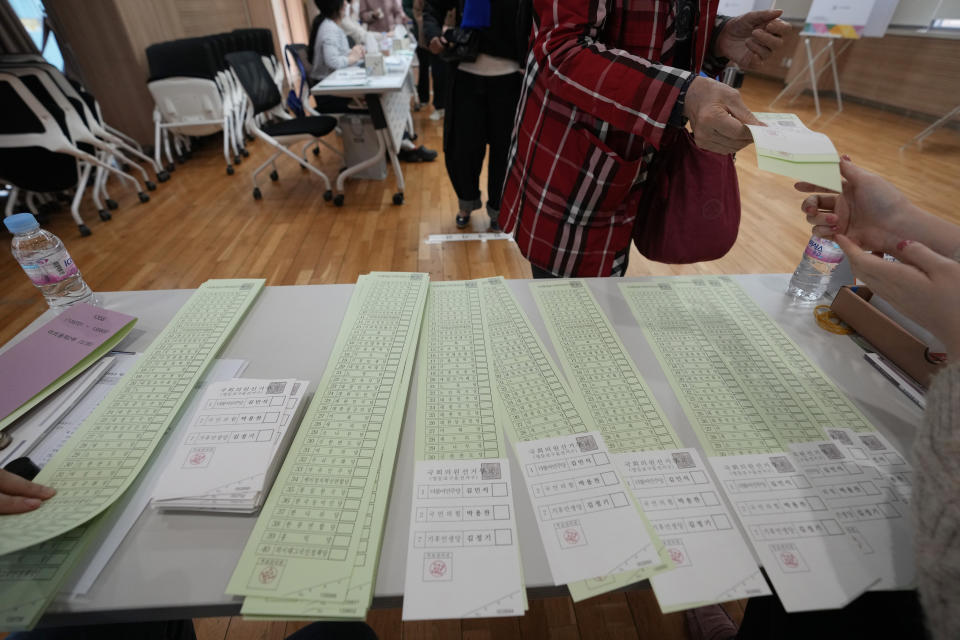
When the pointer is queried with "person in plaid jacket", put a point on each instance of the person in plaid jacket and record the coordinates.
(604, 80)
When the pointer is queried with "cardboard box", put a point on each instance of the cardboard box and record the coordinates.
(913, 356)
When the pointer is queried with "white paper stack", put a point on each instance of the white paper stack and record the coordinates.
(232, 449)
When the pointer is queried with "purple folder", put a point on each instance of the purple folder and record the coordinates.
(55, 353)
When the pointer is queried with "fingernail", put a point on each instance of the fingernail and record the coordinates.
(48, 492)
(903, 244)
(831, 218)
(834, 228)
(32, 503)
(846, 157)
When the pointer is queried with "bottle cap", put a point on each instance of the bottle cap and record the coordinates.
(20, 222)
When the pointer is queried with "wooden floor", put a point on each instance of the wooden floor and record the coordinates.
(203, 224)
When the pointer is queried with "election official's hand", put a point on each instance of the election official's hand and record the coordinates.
(18, 495)
(922, 285)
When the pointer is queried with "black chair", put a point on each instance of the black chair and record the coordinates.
(265, 97)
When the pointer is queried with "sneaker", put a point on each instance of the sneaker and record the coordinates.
(494, 227)
(463, 220)
(437, 115)
(427, 155)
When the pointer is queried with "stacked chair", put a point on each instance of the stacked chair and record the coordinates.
(53, 139)
(195, 92)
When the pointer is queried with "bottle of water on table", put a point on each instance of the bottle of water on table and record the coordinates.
(47, 263)
(812, 277)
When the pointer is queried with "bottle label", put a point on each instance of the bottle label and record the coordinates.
(823, 251)
(50, 271)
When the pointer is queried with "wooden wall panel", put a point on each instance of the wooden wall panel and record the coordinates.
(109, 39)
(97, 36)
(201, 17)
(911, 73)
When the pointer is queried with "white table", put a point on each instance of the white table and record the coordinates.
(177, 565)
(388, 100)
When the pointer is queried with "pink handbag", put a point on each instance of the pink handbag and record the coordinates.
(690, 206)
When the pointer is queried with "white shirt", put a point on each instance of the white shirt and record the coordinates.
(330, 50)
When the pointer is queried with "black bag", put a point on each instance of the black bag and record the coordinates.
(463, 45)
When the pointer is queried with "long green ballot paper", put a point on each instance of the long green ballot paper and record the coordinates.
(31, 578)
(744, 384)
(529, 389)
(604, 378)
(600, 370)
(110, 448)
(531, 392)
(455, 419)
(318, 537)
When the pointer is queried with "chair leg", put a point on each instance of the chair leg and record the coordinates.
(397, 172)
(166, 147)
(284, 150)
(77, 197)
(156, 139)
(226, 143)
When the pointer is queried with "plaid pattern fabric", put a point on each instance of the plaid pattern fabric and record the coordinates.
(598, 92)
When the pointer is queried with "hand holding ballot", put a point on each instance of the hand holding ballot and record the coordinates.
(718, 116)
(19, 496)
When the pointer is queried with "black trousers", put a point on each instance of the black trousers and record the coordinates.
(432, 66)
(874, 615)
(479, 113)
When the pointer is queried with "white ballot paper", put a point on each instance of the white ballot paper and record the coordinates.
(462, 557)
(230, 452)
(810, 559)
(872, 448)
(786, 147)
(589, 524)
(880, 522)
(712, 560)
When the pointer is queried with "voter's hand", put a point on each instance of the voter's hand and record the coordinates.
(751, 38)
(718, 116)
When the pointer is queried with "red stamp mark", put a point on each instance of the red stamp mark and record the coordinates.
(438, 568)
(572, 536)
(198, 458)
(677, 556)
(789, 560)
(267, 575)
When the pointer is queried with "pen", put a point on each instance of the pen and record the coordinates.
(915, 396)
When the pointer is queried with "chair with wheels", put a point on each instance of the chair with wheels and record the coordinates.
(264, 97)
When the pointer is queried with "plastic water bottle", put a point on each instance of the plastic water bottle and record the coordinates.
(47, 263)
(812, 277)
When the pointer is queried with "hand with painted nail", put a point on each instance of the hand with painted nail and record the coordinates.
(922, 286)
(875, 214)
(18, 495)
(870, 210)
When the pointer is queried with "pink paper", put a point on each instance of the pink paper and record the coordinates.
(49, 352)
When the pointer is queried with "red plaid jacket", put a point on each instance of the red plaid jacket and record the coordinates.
(597, 95)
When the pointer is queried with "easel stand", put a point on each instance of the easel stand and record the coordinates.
(814, 74)
(920, 137)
